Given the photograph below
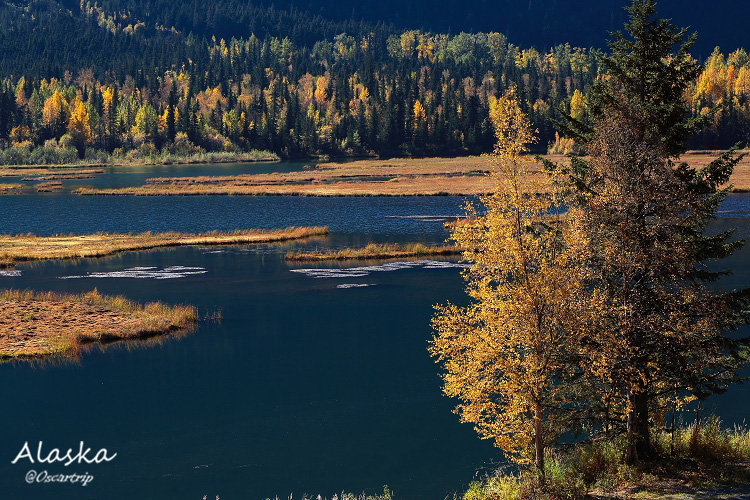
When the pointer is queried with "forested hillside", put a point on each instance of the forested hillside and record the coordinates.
(124, 76)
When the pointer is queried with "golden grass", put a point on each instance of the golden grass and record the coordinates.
(46, 187)
(374, 251)
(465, 176)
(28, 247)
(45, 324)
(36, 173)
(10, 188)
(397, 177)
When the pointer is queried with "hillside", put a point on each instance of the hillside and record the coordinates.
(181, 78)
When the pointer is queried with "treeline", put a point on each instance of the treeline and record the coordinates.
(141, 85)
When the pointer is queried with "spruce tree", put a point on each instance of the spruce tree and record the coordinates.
(664, 330)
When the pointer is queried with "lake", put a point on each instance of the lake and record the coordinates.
(312, 382)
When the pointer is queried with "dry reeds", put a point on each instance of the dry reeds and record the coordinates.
(46, 324)
(10, 188)
(465, 176)
(401, 177)
(46, 187)
(374, 251)
(20, 248)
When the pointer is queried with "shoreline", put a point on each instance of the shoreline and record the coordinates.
(255, 156)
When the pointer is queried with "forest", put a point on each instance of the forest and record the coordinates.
(154, 79)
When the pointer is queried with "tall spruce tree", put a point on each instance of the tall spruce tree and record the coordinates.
(664, 330)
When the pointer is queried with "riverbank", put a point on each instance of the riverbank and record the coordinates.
(705, 461)
(373, 251)
(37, 325)
(464, 176)
(21, 248)
(49, 156)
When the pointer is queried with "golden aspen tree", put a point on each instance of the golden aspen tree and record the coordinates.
(79, 127)
(55, 114)
(419, 114)
(578, 106)
(510, 356)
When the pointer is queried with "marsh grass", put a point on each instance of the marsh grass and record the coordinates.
(703, 457)
(20, 248)
(374, 251)
(10, 188)
(399, 177)
(34, 325)
(464, 176)
(48, 173)
(46, 187)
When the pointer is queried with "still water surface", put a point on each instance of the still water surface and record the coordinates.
(313, 382)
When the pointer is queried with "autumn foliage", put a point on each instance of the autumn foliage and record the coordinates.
(510, 356)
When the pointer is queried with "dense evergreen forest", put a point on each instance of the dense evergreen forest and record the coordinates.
(134, 78)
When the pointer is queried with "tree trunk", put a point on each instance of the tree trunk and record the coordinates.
(639, 438)
(539, 439)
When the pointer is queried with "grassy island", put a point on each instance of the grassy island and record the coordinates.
(10, 188)
(463, 176)
(395, 177)
(48, 173)
(28, 247)
(36, 325)
(374, 251)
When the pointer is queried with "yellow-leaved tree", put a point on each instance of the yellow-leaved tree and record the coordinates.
(55, 114)
(510, 356)
(79, 127)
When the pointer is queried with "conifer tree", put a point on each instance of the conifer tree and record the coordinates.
(645, 216)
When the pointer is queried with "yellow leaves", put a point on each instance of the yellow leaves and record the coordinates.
(79, 127)
(321, 90)
(56, 112)
(504, 354)
(577, 105)
(107, 97)
(164, 118)
(419, 113)
(408, 43)
(512, 126)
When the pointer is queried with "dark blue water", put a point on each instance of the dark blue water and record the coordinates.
(307, 385)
